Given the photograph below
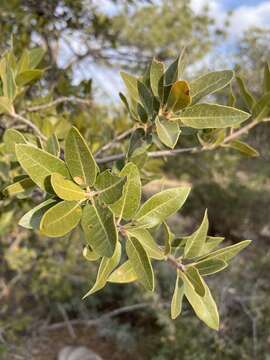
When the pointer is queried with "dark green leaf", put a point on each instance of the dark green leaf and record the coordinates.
(211, 266)
(245, 93)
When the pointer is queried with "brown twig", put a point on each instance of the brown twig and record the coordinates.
(28, 123)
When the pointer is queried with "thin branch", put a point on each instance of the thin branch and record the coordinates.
(240, 132)
(28, 123)
(119, 137)
(97, 321)
(63, 99)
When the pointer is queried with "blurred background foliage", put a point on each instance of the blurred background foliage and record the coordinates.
(42, 280)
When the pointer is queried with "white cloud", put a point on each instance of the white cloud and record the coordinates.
(242, 18)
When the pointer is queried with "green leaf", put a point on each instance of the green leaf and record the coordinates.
(204, 307)
(35, 56)
(231, 97)
(196, 241)
(61, 218)
(168, 131)
(140, 263)
(89, 254)
(53, 146)
(6, 105)
(196, 280)
(79, 159)
(31, 220)
(243, 148)
(23, 63)
(106, 266)
(147, 241)
(11, 138)
(245, 93)
(110, 186)
(211, 243)
(211, 266)
(168, 238)
(146, 97)
(179, 97)
(39, 164)
(207, 116)
(129, 202)
(19, 187)
(123, 274)
(28, 76)
(156, 73)
(98, 224)
(173, 71)
(66, 189)
(177, 299)
(161, 205)
(228, 252)
(9, 86)
(209, 83)
(262, 107)
(131, 83)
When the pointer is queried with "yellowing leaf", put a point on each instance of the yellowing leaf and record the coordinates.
(61, 219)
(179, 97)
(66, 189)
(79, 159)
(140, 263)
(6, 105)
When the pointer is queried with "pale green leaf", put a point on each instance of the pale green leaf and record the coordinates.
(146, 97)
(28, 76)
(6, 105)
(168, 131)
(262, 107)
(140, 263)
(161, 205)
(98, 224)
(168, 238)
(66, 189)
(110, 186)
(39, 164)
(228, 252)
(123, 274)
(129, 202)
(79, 159)
(156, 73)
(204, 307)
(52, 145)
(89, 254)
(19, 187)
(266, 78)
(196, 241)
(243, 148)
(207, 116)
(61, 218)
(107, 265)
(196, 280)
(211, 243)
(131, 83)
(210, 266)
(31, 220)
(245, 93)
(209, 83)
(177, 299)
(147, 241)
(35, 56)
(11, 138)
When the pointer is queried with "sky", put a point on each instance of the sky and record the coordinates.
(245, 14)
